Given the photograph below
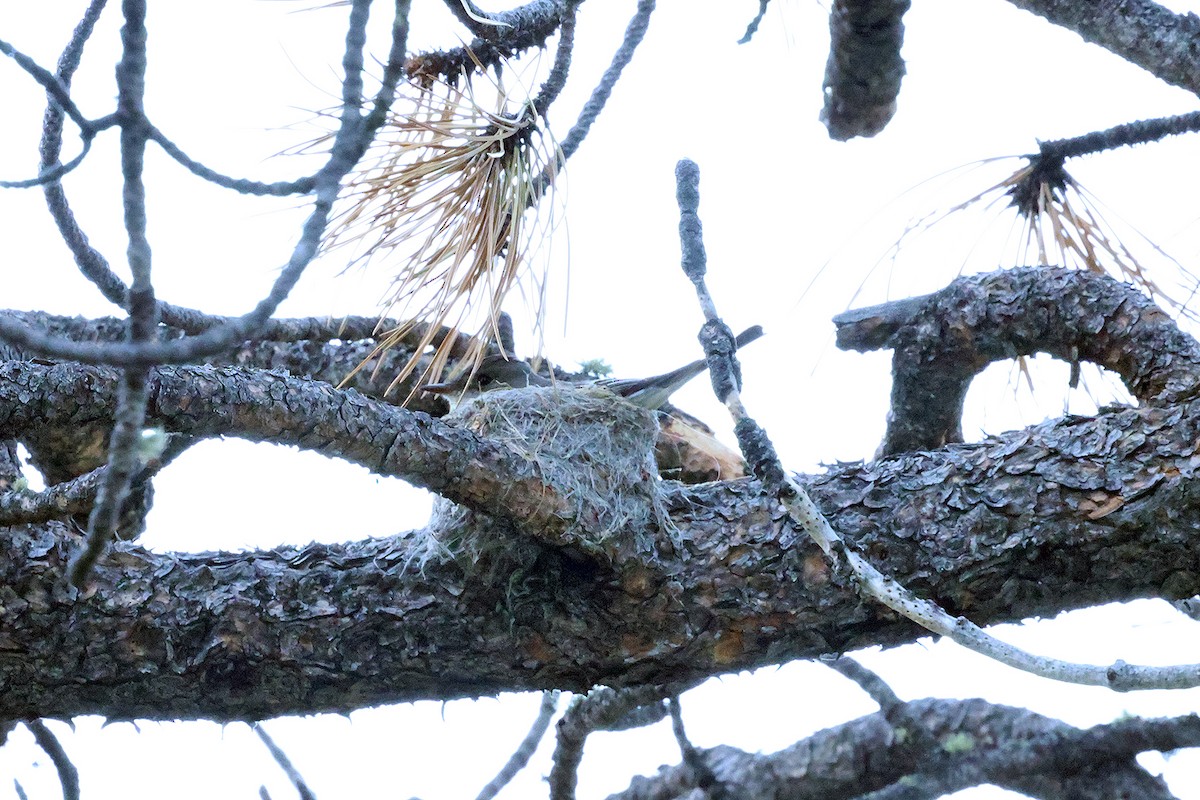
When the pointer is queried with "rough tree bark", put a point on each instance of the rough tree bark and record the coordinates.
(1062, 515)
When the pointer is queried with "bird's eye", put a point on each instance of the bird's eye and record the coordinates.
(485, 380)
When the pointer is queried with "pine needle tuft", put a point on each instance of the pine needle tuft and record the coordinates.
(445, 192)
(1062, 225)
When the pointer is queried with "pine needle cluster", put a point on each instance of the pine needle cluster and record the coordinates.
(448, 198)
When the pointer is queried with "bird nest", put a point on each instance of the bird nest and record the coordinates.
(591, 447)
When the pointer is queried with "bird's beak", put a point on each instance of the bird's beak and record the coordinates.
(450, 387)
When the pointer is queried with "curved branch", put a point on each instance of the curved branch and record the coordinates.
(241, 185)
(635, 32)
(55, 88)
(267, 406)
(943, 340)
(76, 496)
(91, 263)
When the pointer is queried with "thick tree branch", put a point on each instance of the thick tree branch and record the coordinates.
(943, 340)
(871, 754)
(322, 348)
(1165, 44)
(262, 406)
(1107, 507)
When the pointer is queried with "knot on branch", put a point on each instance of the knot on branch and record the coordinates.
(941, 341)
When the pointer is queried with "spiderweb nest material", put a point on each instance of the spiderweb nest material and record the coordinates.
(592, 447)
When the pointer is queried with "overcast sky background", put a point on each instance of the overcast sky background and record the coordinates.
(235, 83)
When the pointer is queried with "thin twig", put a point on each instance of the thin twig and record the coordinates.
(635, 32)
(352, 139)
(241, 185)
(130, 415)
(867, 680)
(894, 710)
(601, 709)
(90, 262)
(68, 775)
(54, 87)
(284, 763)
(752, 28)
(702, 774)
(520, 757)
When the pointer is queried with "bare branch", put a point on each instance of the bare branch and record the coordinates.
(68, 775)
(1108, 522)
(284, 763)
(752, 28)
(1140, 132)
(602, 709)
(126, 433)
(77, 497)
(868, 681)
(871, 754)
(241, 185)
(59, 93)
(525, 749)
(264, 406)
(702, 776)
(557, 79)
(634, 33)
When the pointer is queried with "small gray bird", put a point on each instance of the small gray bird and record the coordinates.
(498, 372)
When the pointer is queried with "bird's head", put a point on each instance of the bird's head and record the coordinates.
(493, 372)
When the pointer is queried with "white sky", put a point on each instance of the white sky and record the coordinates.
(234, 84)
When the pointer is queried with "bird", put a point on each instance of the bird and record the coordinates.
(499, 372)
